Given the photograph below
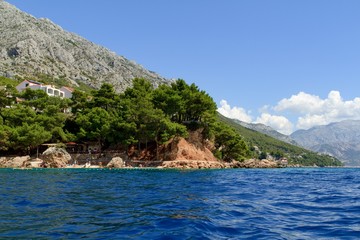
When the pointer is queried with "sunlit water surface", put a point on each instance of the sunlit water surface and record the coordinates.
(314, 203)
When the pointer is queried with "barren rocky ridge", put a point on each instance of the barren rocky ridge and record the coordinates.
(341, 139)
(31, 47)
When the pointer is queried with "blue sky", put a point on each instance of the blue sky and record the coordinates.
(287, 64)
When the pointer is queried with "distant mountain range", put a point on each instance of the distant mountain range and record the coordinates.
(263, 142)
(39, 49)
(259, 127)
(341, 140)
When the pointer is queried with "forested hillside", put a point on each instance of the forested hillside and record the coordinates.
(140, 116)
(276, 148)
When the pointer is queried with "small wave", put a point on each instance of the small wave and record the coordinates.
(173, 204)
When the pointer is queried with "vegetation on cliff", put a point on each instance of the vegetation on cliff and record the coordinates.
(141, 116)
(138, 117)
(263, 145)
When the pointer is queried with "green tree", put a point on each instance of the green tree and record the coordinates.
(53, 121)
(184, 103)
(28, 136)
(167, 99)
(79, 101)
(198, 104)
(144, 107)
(22, 128)
(262, 155)
(164, 130)
(17, 115)
(5, 134)
(140, 109)
(37, 99)
(105, 97)
(7, 96)
(229, 144)
(160, 129)
(94, 125)
(50, 112)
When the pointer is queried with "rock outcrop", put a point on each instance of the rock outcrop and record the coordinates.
(116, 162)
(193, 164)
(190, 153)
(34, 48)
(55, 158)
(254, 163)
(15, 162)
(185, 150)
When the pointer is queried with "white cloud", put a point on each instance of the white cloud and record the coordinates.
(234, 112)
(309, 121)
(313, 111)
(301, 103)
(279, 123)
(305, 109)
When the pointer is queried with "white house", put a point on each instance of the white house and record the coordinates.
(50, 90)
(67, 91)
(27, 83)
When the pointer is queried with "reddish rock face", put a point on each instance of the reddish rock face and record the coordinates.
(184, 150)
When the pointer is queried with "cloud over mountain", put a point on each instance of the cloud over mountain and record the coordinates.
(234, 112)
(313, 111)
(305, 109)
(279, 123)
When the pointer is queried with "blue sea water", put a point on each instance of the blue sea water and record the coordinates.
(306, 203)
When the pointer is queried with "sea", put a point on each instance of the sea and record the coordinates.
(287, 203)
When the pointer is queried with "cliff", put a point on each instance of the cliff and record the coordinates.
(39, 49)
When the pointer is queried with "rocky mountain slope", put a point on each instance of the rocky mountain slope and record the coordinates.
(265, 143)
(38, 48)
(266, 130)
(341, 140)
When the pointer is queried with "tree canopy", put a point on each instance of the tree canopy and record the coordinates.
(140, 115)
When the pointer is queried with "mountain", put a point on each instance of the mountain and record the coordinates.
(341, 140)
(41, 50)
(259, 127)
(265, 143)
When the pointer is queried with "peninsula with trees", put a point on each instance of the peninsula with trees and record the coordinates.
(173, 125)
(61, 91)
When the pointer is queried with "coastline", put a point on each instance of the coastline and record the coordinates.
(26, 162)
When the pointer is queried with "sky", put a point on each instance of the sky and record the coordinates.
(289, 64)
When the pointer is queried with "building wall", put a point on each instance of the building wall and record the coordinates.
(51, 91)
(22, 86)
(67, 92)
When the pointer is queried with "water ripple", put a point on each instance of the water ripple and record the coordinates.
(169, 204)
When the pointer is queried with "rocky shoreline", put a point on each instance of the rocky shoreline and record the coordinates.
(59, 158)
